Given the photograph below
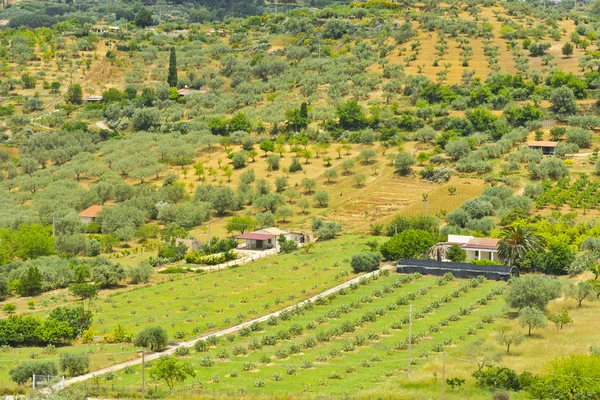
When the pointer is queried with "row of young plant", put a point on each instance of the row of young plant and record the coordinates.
(579, 194)
(349, 349)
(193, 312)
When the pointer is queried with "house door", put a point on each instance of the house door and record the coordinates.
(259, 244)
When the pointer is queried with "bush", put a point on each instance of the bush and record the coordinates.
(152, 337)
(325, 230)
(403, 163)
(579, 136)
(24, 372)
(74, 364)
(499, 378)
(140, 273)
(437, 175)
(412, 243)
(194, 257)
(456, 253)
(534, 291)
(365, 261)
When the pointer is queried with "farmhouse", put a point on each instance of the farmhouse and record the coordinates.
(89, 214)
(476, 248)
(267, 238)
(548, 148)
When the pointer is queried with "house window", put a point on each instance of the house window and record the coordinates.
(476, 253)
(269, 241)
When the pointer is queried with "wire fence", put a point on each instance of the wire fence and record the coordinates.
(116, 390)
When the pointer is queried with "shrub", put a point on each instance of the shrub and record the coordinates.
(580, 137)
(24, 372)
(152, 337)
(74, 364)
(365, 261)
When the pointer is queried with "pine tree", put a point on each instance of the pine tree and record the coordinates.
(304, 111)
(143, 18)
(172, 78)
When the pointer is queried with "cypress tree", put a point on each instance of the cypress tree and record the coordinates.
(172, 78)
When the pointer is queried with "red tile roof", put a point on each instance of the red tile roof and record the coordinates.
(91, 212)
(255, 236)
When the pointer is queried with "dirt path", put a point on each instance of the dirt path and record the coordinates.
(102, 125)
(233, 329)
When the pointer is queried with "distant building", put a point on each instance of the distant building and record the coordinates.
(89, 214)
(476, 248)
(188, 92)
(93, 99)
(548, 148)
(220, 32)
(268, 238)
(100, 30)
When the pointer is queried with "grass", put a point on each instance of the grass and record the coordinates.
(193, 304)
(371, 363)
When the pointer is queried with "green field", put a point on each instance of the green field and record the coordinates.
(349, 342)
(189, 305)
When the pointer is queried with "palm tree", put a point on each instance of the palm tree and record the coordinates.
(436, 252)
(517, 241)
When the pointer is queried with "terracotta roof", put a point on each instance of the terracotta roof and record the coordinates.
(482, 243)
(91, 212)
(542, 143)
(255, 236)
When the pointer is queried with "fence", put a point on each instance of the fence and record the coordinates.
(115, 390)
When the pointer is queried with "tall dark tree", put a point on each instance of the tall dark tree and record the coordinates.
(143, 18)
(74, 94)
(30, 283)
(172, 78)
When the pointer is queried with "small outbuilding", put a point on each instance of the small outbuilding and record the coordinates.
(547, 147)
(93, 99)
(459, 270)
(89, 214)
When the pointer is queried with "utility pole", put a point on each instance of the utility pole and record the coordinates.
(443, 376)
(143, 376)
(409, 337)
(209, 234)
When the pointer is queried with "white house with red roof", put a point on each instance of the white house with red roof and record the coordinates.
(267, 238)
(476, 248)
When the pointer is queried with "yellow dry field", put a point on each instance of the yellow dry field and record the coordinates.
(479, 62)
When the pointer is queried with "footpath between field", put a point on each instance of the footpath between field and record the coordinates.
(233, 329)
